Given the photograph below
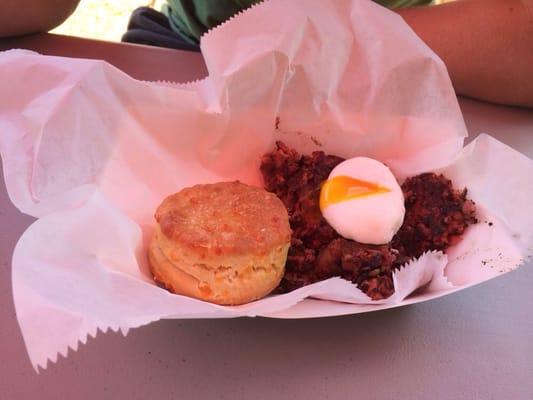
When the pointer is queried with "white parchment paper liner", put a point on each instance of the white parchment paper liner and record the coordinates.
(91, 152)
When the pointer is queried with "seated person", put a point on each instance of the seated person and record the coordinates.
(487, 45)
(183, 22)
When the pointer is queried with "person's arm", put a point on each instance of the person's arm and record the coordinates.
(487, 46)
(19, 17)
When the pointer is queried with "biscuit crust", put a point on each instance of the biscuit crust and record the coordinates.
(225, 218)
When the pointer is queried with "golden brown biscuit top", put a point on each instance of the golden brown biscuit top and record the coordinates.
(224, 218)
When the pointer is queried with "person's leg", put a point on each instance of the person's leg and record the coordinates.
(150, 27)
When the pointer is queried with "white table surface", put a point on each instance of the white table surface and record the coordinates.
(475, 344)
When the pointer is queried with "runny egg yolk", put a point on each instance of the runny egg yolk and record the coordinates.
(342, 188)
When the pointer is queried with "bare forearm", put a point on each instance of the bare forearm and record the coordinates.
(19, 17)
(487, 46)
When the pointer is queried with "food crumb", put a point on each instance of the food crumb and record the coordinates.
(316, 141)
(277, 123)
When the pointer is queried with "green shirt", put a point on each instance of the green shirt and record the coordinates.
(192, 18)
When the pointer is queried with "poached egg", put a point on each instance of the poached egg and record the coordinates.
(362, 201)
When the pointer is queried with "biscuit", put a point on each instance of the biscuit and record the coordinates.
(225, 242)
